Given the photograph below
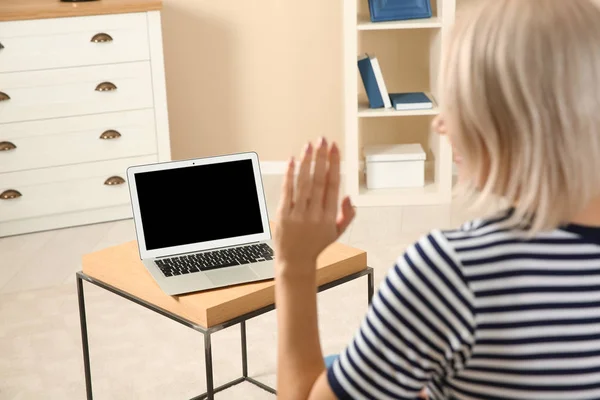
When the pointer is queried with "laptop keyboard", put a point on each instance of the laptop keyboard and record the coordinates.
(215, 259)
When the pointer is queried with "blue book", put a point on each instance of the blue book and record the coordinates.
(396, 10)
(411, 101)
(370, 83)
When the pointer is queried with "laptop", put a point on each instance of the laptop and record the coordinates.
(202, 223)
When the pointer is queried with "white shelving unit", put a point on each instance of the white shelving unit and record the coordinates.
(409, 53)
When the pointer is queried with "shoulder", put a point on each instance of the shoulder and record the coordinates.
(482, 227)
(491, 239)
(478, 234)
(440, 258)
(444, 247)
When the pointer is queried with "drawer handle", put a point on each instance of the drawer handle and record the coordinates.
(106, 87)
(110, 134)
(4, 96)
(114, 180)
(10, 194)
(7, 146)
(1, 46)
(102, 38)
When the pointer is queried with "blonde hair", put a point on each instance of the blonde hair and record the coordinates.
(521, 89)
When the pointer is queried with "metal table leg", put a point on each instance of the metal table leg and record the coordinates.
(244, 350)
(209, 369)
(245, 362)
(370, 286)
(211, 390)
(84, 339)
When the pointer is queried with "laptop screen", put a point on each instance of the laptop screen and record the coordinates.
(195, 204)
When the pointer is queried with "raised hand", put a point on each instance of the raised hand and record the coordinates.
(308, 219)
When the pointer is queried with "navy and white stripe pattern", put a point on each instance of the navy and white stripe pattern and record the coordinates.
(482, 313)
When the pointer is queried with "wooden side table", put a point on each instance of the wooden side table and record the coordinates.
(119, 270)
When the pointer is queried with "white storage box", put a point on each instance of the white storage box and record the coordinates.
(395, 166)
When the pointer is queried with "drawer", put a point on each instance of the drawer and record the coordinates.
(66, 189)
(73, 140)
(72, 42)
(68, 92)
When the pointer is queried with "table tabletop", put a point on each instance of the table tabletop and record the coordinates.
(120, 266)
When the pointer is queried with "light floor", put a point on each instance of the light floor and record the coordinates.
(136, 354)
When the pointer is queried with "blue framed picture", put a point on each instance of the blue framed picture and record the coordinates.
(396, 10)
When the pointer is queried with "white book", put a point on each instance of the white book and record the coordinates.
(380, 82)
(415, 106)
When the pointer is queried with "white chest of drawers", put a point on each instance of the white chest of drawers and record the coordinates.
(82, 98)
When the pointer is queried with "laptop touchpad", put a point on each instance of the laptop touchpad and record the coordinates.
(231, 275)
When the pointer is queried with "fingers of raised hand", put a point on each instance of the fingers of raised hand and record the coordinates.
(333, 182)
(319, 182)
(303, 182)
(316, 194)
(347, 214)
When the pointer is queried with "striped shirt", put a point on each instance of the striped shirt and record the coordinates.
(481, 313)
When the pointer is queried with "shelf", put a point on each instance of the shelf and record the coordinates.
(429, 194)
(365, 112)
(365, 24)
(411, 53)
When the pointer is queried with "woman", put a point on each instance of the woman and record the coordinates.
(503, 308)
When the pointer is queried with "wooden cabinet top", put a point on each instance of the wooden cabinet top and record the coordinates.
(13, 10)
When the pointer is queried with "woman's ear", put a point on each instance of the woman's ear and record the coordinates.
(438, 125)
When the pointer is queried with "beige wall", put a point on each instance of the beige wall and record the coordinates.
(252, 75)
(265, 75)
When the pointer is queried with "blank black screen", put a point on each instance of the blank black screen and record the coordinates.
(199, 203)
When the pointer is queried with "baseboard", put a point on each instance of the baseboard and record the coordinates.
(272, 167)
(279, 167)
